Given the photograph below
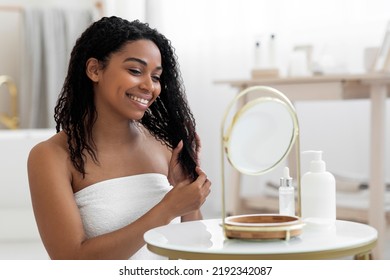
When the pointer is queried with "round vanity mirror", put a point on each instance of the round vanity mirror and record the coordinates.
(260, 136)
(259, 130)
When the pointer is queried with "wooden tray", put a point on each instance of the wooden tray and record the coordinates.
(263, 226)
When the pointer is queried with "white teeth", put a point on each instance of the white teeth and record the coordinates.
(140, 100)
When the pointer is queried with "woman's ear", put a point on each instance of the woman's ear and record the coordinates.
(92, 69)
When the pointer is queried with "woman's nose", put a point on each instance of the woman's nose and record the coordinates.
(147, 84)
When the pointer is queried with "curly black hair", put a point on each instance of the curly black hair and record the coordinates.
(169, 118)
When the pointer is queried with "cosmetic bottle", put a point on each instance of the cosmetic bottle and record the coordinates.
(286, 194)
(271, 51)
(258, 55)
(318, 192)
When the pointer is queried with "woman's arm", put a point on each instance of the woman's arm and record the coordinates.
(195, 215)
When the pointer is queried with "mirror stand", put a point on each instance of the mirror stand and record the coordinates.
(259, 130)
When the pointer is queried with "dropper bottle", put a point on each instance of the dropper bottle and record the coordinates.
(286, 194)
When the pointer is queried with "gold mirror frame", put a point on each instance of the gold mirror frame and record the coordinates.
(240, 101)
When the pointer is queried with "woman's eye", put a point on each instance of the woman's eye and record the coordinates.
(156, 78)
(135, 71)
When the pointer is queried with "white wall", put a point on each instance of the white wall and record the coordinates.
(214, 40)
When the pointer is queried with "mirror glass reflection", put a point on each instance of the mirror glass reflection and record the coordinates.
(260, 136)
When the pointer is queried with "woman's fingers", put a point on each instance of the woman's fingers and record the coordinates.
(175, 172)
(176, 151)
(204, 182)
(188, 195)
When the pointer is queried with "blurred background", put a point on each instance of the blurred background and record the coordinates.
(215, 41)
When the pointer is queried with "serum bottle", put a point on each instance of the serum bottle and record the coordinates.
(286, 194)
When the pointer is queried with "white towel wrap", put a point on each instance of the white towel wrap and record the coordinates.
(112, 204)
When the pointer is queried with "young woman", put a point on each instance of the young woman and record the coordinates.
(125, 156)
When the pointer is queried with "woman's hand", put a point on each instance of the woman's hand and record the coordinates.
(187, 197)
(176, 173)
(179, 179)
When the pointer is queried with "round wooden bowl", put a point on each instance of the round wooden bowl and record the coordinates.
(262, 226)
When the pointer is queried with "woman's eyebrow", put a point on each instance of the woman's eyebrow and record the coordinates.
(135, 59)
(143, 62)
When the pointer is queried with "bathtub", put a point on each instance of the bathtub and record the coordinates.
(19, 237)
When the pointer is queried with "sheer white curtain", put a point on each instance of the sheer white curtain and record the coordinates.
(48, 36)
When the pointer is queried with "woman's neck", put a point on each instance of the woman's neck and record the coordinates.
(120, 133)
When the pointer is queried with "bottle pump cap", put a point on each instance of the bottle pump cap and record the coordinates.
(317, 164)
(286, 180)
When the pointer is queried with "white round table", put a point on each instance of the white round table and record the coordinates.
(205, 239)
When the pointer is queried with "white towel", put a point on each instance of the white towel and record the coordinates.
(112, 204)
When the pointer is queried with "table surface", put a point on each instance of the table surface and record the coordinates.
(205, 240)
(383, 78)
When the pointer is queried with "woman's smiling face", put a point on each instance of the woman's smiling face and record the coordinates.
(129, 83)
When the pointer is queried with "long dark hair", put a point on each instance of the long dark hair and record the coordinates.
(168, 119)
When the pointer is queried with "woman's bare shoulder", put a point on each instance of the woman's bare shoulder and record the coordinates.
(50, 157)
(55, 146)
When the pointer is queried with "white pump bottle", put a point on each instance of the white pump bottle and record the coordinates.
(318, 192)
